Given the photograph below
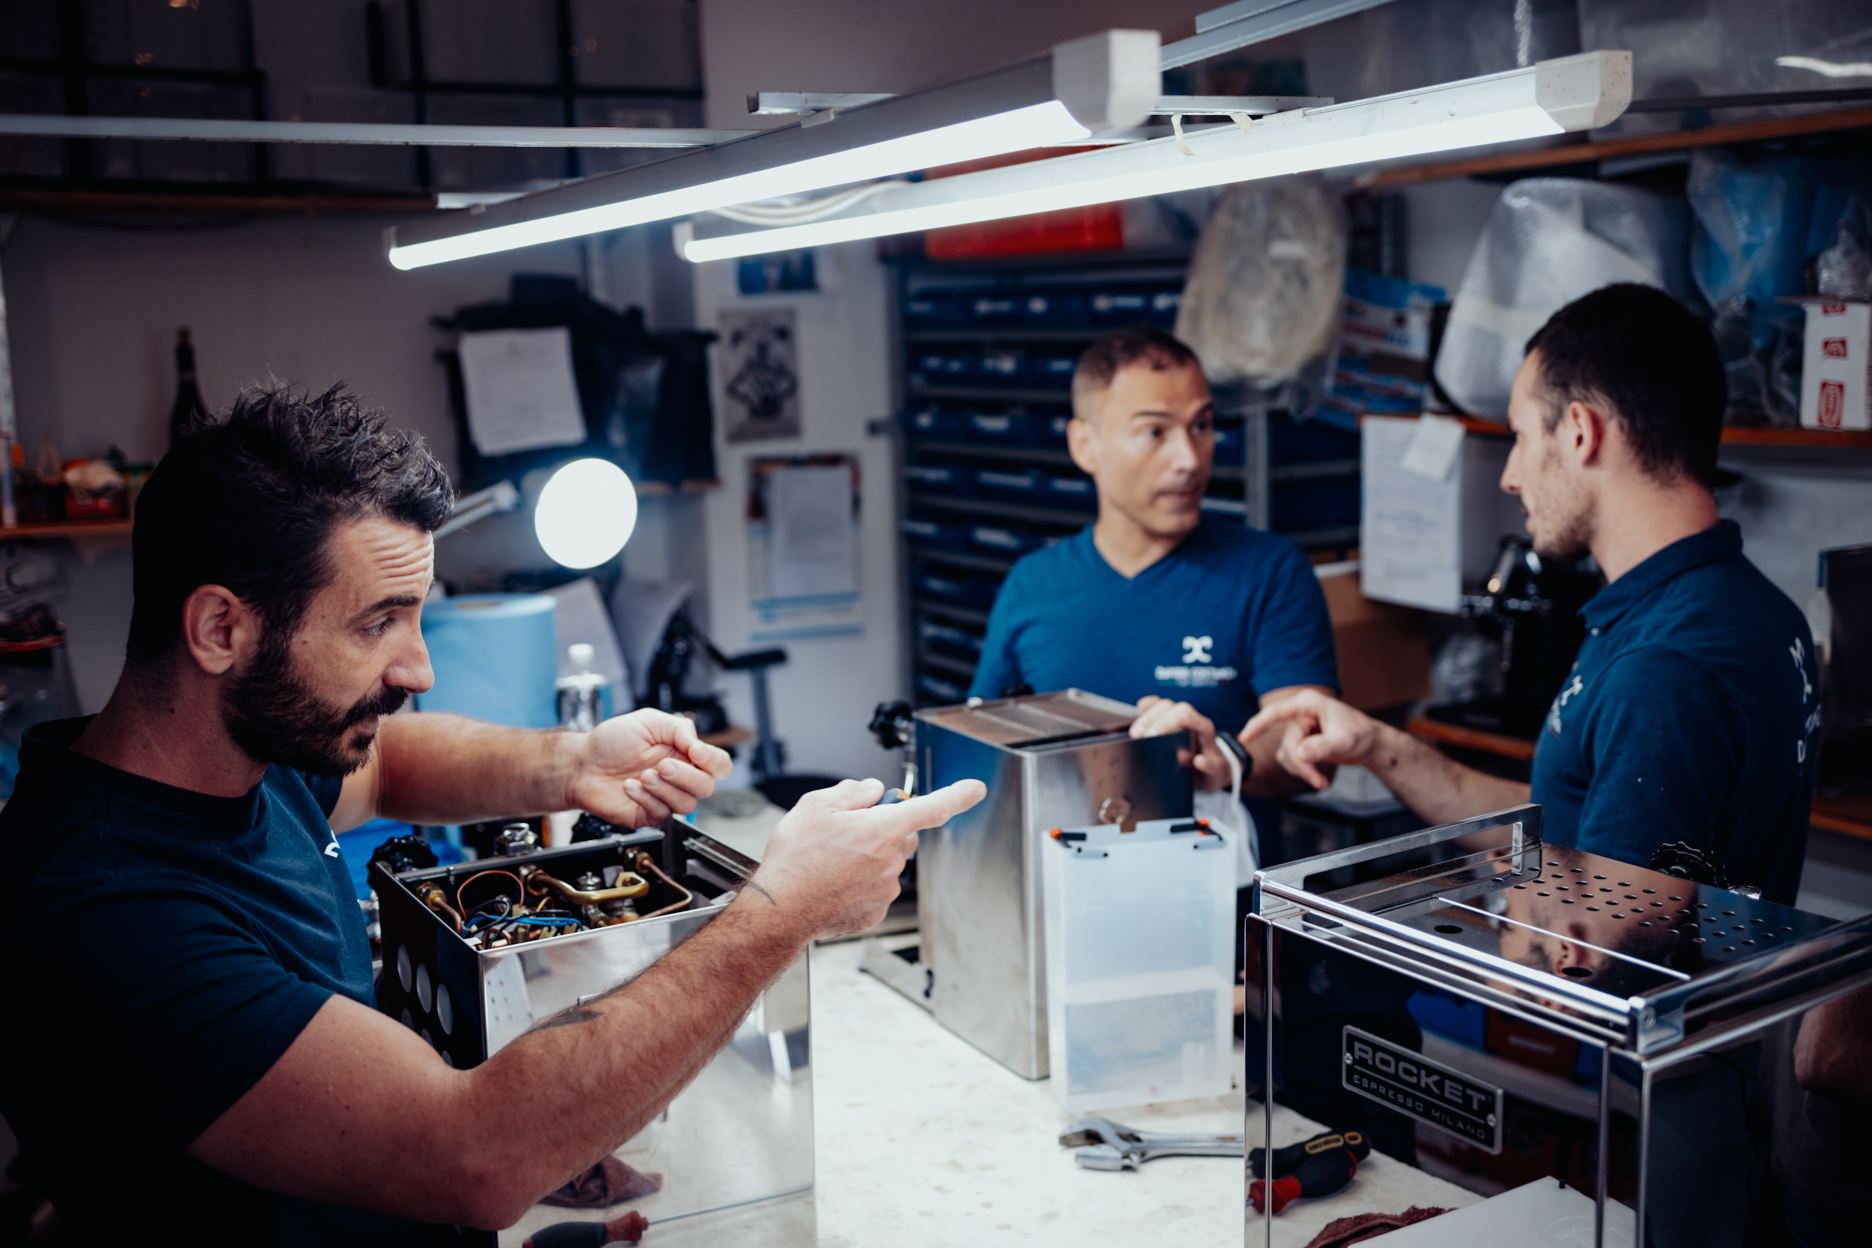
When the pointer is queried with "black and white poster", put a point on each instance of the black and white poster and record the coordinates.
(760, 368)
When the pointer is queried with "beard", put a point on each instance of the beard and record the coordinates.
(274, 716)
(1565, 515)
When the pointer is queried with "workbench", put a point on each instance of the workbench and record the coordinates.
(923, 1140)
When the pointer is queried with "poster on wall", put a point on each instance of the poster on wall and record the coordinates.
(803, 546)
(762, 371)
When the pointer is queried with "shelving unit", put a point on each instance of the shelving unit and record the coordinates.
(1733, 435)
(982, 388)
(69, 528)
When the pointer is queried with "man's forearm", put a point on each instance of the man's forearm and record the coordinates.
(617, 1060)
(438, 769)
(1434, 785)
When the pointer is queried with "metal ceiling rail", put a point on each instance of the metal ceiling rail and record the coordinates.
(195, 129)
(1255, 21)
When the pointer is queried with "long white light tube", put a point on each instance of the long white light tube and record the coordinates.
(1107, 82)
(1037, 125)
(1572, 93)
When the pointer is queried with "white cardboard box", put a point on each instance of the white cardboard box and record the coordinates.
(1836, 364)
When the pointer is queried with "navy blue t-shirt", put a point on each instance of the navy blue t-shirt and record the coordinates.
(1689, 716)
(168, 946)
(1228, 615)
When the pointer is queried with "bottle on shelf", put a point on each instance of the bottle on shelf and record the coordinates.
(189, 407)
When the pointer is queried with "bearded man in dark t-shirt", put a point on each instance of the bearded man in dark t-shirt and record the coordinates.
(190, 1047)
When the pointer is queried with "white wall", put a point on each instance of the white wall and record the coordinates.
(823, 696)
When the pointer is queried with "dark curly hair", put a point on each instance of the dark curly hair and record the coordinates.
(1119, 350)
(247, 500)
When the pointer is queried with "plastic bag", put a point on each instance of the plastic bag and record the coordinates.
(1844, 270)
(1262, 299)
(1549, 241)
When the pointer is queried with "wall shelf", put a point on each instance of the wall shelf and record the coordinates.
(1733, 435)
(67, 528)
(1636, 145)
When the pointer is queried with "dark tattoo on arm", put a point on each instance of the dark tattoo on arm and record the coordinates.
(763, 892)
(566, 1018)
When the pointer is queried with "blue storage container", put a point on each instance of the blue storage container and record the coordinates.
(1050, 429)
(1005, 539)
(1229, 443)
(1022, 483)
(948, 639)
(943, 368)
(1163, 308)
(1071, 492)
(997, 310)
(1057, 309)
(935, 309)
(966, 591)
(937, 532)
(945, 691)
(1000, 366)
(938, 422)
(1006, 428)
(1113, 306)
(1053, 369)
(941, 478)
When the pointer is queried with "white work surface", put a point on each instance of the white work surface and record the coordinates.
(924, 1140)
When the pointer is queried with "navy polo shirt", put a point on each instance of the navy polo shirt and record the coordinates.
(1229, 614)
(1689, 716)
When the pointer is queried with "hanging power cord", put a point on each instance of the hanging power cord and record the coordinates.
(809, 210)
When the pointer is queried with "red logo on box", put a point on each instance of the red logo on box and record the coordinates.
(1832, 404)
(1832, 309)
(1833, 348)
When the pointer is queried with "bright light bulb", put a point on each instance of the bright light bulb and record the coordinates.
(585, 513)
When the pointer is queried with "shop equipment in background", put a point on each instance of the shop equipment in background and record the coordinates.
(1140, 962)
(741, 1132)
(1531, 605)
(1846, 647)
(1050, 760)
(1609, 1043)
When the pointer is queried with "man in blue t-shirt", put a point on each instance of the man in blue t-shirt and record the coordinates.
(1689, 716)
(190, 1050)
(1196, 617)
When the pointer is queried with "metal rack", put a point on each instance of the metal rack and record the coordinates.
(1255, 460)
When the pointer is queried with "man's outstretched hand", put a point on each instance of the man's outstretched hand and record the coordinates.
(1324, 730)
(1158, 717)
(832, 864)
(637, 769)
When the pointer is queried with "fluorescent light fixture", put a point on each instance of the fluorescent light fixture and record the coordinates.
(1103, 82)
(1552, 97)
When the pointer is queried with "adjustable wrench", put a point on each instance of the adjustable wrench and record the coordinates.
(1107, 1145)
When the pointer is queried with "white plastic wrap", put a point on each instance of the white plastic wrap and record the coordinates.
(1262, 298)
(1730, 47)
(1549, 241)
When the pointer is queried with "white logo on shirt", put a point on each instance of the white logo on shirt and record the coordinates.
(1566, 695)
(331, 850)
(1196, 649)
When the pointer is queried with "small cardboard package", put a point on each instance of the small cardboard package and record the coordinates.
(1836, 364)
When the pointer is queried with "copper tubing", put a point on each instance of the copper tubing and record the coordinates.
(627, 886)
(644, 862)
(432, 895)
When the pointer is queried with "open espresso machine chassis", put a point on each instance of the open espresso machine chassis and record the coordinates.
(1049, 760)
(741, 1132)
(1612, 1045)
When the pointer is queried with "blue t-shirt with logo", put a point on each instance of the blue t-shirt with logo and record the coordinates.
(1689, 716)
(1230, 614)
(167, 946)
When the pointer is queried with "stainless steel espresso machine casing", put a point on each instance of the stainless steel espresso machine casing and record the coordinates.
(740, 1133)
(1611, 1044)
(1049, 760)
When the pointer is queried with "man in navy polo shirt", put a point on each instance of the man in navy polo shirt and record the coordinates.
(1198, 618)
(1690, 714)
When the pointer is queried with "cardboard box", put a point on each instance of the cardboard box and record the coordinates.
(1836, 364)
(1384, 650)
